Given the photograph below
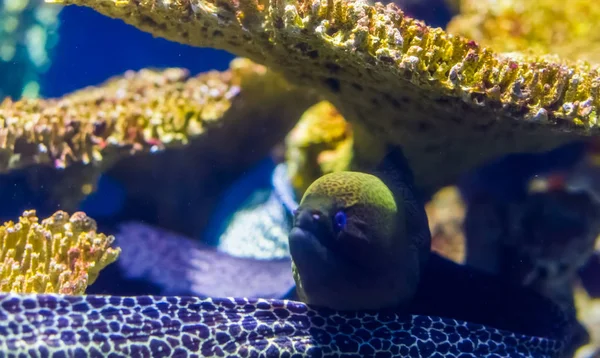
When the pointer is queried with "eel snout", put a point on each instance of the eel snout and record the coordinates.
(341, 258)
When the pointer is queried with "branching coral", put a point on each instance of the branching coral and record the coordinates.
(139, 112)
(568, 28)
(61, 254)
(144, 112)
(438, 95)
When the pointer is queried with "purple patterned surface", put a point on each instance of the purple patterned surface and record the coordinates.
(181, 266)
(152, 326)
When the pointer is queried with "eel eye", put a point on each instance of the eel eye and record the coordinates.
(340, 220)
(316, 215)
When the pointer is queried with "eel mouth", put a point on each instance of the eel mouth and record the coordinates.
(310, 242)
(304, 245)
(309, 233)
(312, 245)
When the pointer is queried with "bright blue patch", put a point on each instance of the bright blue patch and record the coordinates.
(340, 220)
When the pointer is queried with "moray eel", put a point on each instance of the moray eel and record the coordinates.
(358, 243)
(426, 319)
(349, 249)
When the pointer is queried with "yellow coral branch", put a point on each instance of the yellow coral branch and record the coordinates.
(138, 112)
(148, 111)
(320, 143)
(570, 29)
(450, 102)
(61, 254)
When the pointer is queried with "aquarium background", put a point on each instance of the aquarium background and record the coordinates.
(88, 48)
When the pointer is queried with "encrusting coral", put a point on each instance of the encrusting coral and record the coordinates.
(436, 94)
(570, 29)
(320, 143)
(446, 214)
(145, 112)
(62, 254)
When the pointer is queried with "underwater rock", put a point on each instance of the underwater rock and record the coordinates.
(523, 222)
(541, 220)
(392, 77)
(584, 176)
(62, 254)
(541, 242)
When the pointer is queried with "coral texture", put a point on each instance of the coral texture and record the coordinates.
(145, 112)
(320, 143)
(437, 94)
(62, 254)
(138, 112)
(262, 111)
(446, 214)
(570, 29)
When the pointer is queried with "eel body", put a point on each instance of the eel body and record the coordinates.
(52, 325)
(180, 266)
(170, 326)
